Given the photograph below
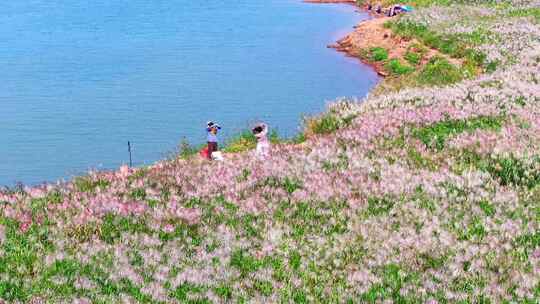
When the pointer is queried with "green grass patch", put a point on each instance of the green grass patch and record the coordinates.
(289, 184)
(415, 159)
(20, 260)
(244, 262)
(295, 260)
(513, 171)
(299, 297)
(299, 138)
(265, 288)
(187, 150)
(434, 136)
(393, 279)
(327, 123)
(379, 206)
(114, 225)
(182, 292)
(341, 164)
(87, 184)
(246, 141)
(312, 218)
(438, 71)
(487, 208)
(507, 170)
(396, 67)
(138, 194)
(529, 241)
(413, 57)
(456, 45)
(430, 261)
(474, 231)
(378, 54)
(525, 244)
(534, 13)
(224, 292)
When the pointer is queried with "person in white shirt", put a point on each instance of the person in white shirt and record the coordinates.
(263, 144)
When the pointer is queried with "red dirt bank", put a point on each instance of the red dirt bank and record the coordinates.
(372, 33)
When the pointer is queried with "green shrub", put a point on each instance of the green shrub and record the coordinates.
(299, 138)
(378, 54)
(439, 71)
(475, 57)
(326, 124)
(413, 57)
(395, 66)
(186, 150)
(243, 142)
(491, 66)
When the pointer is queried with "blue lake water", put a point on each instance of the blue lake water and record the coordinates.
(81, 78)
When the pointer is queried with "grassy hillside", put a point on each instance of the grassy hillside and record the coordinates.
(428, 193)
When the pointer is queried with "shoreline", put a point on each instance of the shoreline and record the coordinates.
(351, 44)
(372, 33)
(342, 45)
(99, 168)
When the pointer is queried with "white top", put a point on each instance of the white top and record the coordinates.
(263, 144)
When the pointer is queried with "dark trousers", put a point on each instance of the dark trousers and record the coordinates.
(212, 147)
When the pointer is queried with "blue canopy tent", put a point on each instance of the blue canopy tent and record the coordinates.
(406, 8)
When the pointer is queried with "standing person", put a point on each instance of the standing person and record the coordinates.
(212, 139)
(263, 144)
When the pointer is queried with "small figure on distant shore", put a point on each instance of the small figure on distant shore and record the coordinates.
(212, 139)
(393, 10)
(398, 9)
(263, 144)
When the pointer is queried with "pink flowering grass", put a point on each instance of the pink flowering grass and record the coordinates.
(422, 195)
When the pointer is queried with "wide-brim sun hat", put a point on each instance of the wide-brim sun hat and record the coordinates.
(212, 124)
